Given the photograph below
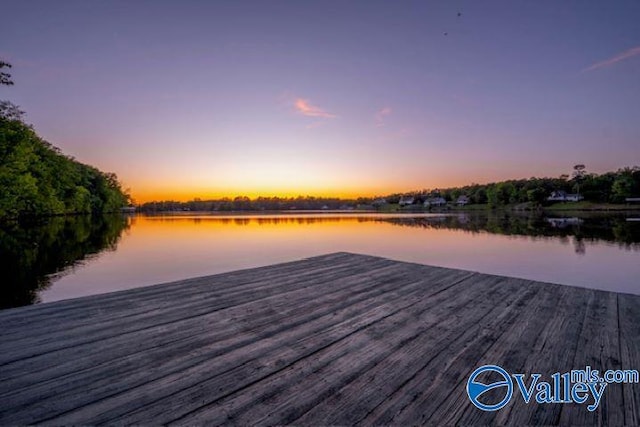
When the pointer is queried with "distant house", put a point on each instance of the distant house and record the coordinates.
(632, 199)
(462, 200)
(434, 201)
(562, 196)
(379, 202)
(128, 209)
(557, 196)
(406, 200)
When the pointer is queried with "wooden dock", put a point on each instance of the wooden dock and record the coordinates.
(340, 339)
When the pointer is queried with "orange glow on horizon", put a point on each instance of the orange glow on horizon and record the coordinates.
(316, 171)
(279, 178)
(148, 193)
(189, 194)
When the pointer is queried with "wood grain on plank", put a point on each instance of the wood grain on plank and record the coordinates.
(335, 339)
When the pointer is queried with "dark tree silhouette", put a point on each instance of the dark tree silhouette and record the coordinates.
(10, 111)
(5, 78)
(579, 171)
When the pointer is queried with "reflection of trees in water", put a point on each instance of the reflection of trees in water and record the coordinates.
(579, 245)
(30, 254)
(572, 230)
(266, 220)
(590, 229)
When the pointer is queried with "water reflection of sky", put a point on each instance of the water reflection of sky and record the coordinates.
(161, 249)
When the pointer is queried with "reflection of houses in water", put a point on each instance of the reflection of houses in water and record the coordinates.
(568, 230)
(463, 219)
(564, 222)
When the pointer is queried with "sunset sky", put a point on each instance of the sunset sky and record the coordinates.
(188, 99)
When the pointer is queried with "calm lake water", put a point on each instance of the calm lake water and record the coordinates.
(72, 257)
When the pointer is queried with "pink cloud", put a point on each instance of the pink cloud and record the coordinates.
(305, 108)
(615, 59)
(381, 114)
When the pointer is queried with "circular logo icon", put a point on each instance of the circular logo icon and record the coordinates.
(475, 388)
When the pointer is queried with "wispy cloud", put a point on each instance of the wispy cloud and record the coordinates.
(634, 51)
(305, 108)
(381, 114)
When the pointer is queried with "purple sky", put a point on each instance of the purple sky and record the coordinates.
(190, 99)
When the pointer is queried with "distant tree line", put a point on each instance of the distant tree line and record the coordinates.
(36, 179)
(610, 187)
(243, 203)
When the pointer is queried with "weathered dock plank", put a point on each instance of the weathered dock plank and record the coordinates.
(337, 339)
